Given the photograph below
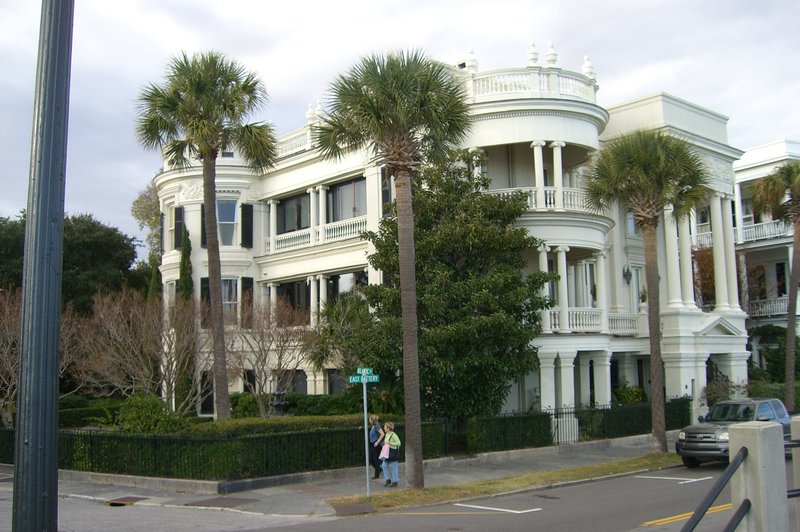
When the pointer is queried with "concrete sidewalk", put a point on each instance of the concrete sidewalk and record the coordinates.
(304, 495)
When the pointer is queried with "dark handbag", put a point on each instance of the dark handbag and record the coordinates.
(394, 455)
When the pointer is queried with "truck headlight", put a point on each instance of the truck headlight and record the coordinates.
(723, 436)
(681, 435)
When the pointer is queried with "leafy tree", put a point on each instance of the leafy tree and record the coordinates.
(402, 107)
(643, 172)
(779, 195)
(12, 244)
(185, 286)
(146, 210)
(154, 286)
(338, 337)
(200, 110)
(479, 312)
(97, 258)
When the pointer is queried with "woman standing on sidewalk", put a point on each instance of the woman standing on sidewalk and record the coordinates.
(389, 466)
(376, 442)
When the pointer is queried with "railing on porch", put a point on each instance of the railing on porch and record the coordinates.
(623, 324)
(750, 232)
(573, 199)
(589, 320)
(345, 229)
(293, 240)
(777, 306)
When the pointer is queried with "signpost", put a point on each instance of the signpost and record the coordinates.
(364, 375)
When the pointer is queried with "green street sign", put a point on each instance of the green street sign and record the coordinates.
(358, 379)
(364, 371)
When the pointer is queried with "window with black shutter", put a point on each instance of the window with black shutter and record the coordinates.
(247, 226)
(205, 299)
(177, 234)
(202, 226)
(247, 303)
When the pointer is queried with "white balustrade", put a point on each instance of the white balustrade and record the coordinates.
(573, 199)
(623, 324)
(584, 319)
(293, 142)
(777, 306)
(344, 229)
(293, 240)
(532, 83)
(772, 229)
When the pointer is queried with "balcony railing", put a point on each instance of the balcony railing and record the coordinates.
(772, 229)
(623, 324)
(342, 230)
(535, 82)
(750, 233)
(589, 320)
(762, 308)
(572, 199)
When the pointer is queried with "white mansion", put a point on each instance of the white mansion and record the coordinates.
(294, 233)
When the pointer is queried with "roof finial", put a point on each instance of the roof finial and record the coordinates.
(551, 55)
(533, 55)
(588, 68)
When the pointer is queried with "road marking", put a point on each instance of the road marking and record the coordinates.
(682, 480)
(686, 516)
(498, 509)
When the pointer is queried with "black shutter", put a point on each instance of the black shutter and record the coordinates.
(247, 303)
(177, 237)
(205, 300)
(202, 225)
(161, 233)
(247, 226)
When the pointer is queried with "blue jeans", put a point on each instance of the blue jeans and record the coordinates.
(390, 468)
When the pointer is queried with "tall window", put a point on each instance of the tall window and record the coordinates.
(780, 279)
(386, 192)
(347, 200)
(293, 214)
(230, 301)
(175, 227)
(226, 220)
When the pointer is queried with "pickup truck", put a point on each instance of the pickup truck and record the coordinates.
(708, 440)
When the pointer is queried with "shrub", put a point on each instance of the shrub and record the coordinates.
(499, 433)
(243, 405)
(148, 414)
(322, 405)
(624, 394)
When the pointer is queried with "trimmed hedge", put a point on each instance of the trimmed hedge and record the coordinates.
(91, 415)
(628, 420)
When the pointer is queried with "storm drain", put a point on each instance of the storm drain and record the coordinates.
(124, 501)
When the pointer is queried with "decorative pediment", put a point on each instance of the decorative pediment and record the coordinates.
(720, 326)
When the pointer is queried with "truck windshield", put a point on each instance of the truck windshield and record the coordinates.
(730, 412)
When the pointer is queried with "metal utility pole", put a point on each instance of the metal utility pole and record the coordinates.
(36, 443)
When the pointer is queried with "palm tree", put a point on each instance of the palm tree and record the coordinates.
(403, 108)
(199, 111)
(644, 172)
(779, 195)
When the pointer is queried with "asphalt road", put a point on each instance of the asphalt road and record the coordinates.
(650, 501)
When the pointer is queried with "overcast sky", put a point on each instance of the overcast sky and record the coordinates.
(739, 58)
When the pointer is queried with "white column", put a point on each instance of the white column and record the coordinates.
(558, 173)
(547, 379)
(687, 276)
(730, 255)
(737, 197)
(601, 362)
(566, 366)
(718, 250)
(323, 211)
(601, 281)
(545, 313)
(323, 291)
(538, 172)
(563, 293)
(273, 224)
(273, 297)
(314, 210)
(312, 281)
(674, 299)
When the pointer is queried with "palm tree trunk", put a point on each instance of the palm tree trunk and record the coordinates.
(222, 405)
(791, 325)
(654, 326)
(408, 305)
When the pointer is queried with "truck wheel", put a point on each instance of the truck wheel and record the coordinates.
(690, 462)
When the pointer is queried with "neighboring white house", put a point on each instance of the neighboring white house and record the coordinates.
(294, 232)
(764, 245)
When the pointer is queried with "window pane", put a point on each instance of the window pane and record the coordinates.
(229, 301)
(360, 198)
(226, 221)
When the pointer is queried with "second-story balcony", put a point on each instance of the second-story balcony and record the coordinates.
(330, 232)
(550, 198)
(749, 233)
